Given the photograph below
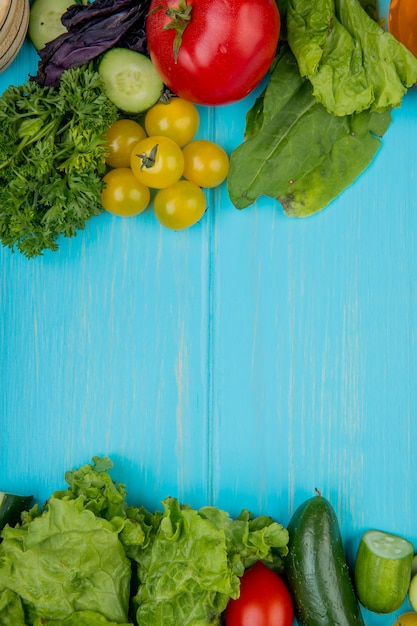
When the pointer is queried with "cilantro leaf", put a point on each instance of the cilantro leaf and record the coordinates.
(52, 158)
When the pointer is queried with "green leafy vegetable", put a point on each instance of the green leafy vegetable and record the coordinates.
(191, 568)
(81, 558)
(352, 63)
(78, 558)
(79, 618)
(11, 609)
(51, 159)
(295, 150)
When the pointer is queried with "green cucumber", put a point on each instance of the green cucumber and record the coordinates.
(383, 570)
(130, 80)
(11, 507)
(45, 21)
(316, 569)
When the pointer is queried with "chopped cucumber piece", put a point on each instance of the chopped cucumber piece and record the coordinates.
(11, 507)
(45, 21)
(387, 546)
(383, 570)
(130, 80)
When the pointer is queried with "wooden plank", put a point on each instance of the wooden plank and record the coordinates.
(241, 363)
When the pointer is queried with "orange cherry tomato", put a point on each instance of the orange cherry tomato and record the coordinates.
(402, 23)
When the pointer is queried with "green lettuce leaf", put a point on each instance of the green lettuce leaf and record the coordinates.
(79, 618)
(191, 567)
(249, 539)
(80, 559)
(295, 150)
(11, 609)
(102, 495)
(67, 560)
(352, 63)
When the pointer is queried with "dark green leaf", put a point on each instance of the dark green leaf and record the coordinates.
(52, 154)
(300, 153)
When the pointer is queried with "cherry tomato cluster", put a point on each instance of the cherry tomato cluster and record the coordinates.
(162, 155)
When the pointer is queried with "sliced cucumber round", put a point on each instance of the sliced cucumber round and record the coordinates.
(45, 21)
(11, 507)
(130, 80)
(383, 570)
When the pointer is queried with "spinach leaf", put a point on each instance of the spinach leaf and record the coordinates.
(352, 63)
(347, 159)
(295, 150)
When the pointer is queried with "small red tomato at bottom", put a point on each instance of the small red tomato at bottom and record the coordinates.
(264, 600)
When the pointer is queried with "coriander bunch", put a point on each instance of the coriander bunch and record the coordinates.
(52, 153)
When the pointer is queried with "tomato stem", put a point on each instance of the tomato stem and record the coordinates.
(148, 161)
(180, 18)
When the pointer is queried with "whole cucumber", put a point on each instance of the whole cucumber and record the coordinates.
(11, 507)
(316, 569)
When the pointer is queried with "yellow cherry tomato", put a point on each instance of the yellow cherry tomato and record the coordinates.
(157, 162)
(205, 163)
(123, 194)
(180, 206)
(178, 119)
(121, 137)
(407, 619)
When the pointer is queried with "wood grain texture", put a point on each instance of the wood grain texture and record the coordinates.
(241, 363)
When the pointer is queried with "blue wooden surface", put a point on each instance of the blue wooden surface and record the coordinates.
(241, 363)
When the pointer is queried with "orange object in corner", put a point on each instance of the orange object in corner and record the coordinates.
(402, 23)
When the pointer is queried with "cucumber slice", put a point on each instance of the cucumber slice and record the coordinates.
(383, 571)
(130, 80)
(45, 21)
(11, 506)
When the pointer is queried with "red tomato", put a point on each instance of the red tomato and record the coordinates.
(402, 22)
(264, 600)
(225, 48)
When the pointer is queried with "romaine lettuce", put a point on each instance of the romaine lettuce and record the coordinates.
(78, 560)
(11, 609)
(352, 63)
(191, 568)
(67, 560)
(79, 618)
